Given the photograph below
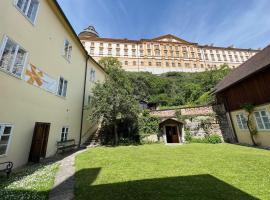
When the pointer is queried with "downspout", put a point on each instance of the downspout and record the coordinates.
(84, 88)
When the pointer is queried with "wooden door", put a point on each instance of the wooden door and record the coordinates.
(39, 141)
(175, 138)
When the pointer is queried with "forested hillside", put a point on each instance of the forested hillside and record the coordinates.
(176, 88)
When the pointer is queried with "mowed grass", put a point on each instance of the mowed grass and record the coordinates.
(190, 171)
(31, 182)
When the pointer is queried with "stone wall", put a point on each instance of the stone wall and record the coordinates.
(224, 121)
(218, 121)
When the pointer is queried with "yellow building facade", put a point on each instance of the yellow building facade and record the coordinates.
(260, 120)
(44, 75)
(247, 88)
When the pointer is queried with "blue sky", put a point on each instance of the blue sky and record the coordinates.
(244, 23)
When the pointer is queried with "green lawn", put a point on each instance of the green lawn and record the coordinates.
(31, 182)
(191, 171)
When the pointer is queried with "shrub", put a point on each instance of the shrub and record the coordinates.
(199, 140)
(188, 136)
(214, 139)
(148, 125)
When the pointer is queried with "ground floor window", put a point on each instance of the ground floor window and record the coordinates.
(262, 119)
(241, 121)
(64, 133)
(5, 133)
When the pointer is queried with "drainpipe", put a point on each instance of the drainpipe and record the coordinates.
(84, 88)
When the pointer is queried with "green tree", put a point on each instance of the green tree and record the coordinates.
(177, 88)
(205, 98)
(249, 108)
(113, 99)
(110, 63)
(148, 125)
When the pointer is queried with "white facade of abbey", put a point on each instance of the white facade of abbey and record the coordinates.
(167, 53)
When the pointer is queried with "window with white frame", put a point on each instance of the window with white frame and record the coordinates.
(12, 57)
(62, 87)
(29, 8)
(92, 75)
(67, 50)
(5, 134)
(89, 99)
(262, 119)
(241, 121)
(64, 133)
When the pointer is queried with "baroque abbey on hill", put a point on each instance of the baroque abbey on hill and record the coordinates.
(166, 53)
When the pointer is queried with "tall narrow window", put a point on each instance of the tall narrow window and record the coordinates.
(5, 133)
(12, 58)
(212, 57)
(241, 121)
(62, 87)
(109, 52)
(92, 50)
(185, 55)
(262, 119)
(141, 53)
(28, 8)
(117, 52)
(89, 99)
(67, 50)
(64, 133)
(92, 75)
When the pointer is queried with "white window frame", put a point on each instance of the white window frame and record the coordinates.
(18, 46)
(9, 139)
(242, 125)
(26, 11)
(66, 133)
(62, 90)
(263, 123)
(69, 51)
(92, 75)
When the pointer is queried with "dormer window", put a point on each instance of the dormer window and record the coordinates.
(28, 8)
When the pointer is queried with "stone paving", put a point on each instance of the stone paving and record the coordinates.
(64, 181)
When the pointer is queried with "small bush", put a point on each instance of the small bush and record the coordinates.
(148, 124)
(214, 139)
(199, 140)
(188, 136)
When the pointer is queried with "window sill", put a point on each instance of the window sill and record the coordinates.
(263, 130)
(3, 156)
(62, 97)
(68, 60)
(11, 74)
